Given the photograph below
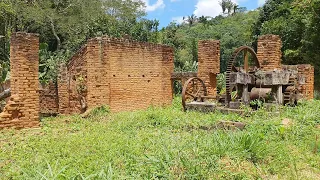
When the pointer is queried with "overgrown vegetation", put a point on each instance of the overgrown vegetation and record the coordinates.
(65, 25)
(166, 143)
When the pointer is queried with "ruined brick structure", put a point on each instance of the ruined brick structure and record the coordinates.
(124, 74)
(49, 99)
(269, 56)
(22, 110)
(269, 52)
(307, 71)
(209, 64)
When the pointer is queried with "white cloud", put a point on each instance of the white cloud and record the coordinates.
(207, 8)
(174, 0)
(261, 2)
(178, 19)
(210, 7)
(152, 7)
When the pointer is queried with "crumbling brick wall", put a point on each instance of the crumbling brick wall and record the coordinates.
(124, 74)
(72, 84)
(22, 110)
(139, 74)
(63, 89)
(98, 67)
(49, 99)
(77, 82)
(209, 64)
(306, 71)
(269, 52)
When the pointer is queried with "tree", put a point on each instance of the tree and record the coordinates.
(232, 31)
(191, 20)
(65, 19)
(223, 5)
(297, 23)
(7, 14)
(229, 6)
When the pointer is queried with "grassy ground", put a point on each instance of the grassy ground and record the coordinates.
(166, 143)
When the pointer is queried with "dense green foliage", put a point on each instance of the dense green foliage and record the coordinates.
(64, 25)
(233, 31)
(166, 143)
(297, 22)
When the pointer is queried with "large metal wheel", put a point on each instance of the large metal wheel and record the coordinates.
(232, 68)
(193, 90)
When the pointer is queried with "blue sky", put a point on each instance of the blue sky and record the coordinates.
(168, 10)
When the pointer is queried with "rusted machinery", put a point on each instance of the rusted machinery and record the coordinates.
(245, 82)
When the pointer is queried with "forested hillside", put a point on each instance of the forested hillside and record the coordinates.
(65, 25)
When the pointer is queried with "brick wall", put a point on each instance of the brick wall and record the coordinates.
(126, 75)
(139, 74)
(98, 82)
(22, 110)
(77, 82)
(63, 89)
(307, 71)
(49, 99)
(209, 64)
(269, 52)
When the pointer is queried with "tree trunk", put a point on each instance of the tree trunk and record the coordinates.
(6, 93)
(55, 33)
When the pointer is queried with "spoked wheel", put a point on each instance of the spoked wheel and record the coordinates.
(232, 67)
(193, 90)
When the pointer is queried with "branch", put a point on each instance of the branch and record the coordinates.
(55, 33)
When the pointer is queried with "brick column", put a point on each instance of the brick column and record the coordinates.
(269, 52)
(209, 64)
(22, 110)
(167, 70)
(98, 72)
(307, 71)
(63, 89)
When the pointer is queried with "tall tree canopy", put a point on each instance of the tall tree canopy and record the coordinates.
(232, 31)
(298, 24)
(64, 25)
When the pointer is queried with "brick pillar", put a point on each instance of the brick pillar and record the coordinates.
(63, 89)
(308, 72)
(98, 85)
(22, 110)
(209, 64)
(167, 70)
(269, 52)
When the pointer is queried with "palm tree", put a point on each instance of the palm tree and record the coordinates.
(203, 20)
(235, 8)
(229, 6)
(223, 5)
(191, 20)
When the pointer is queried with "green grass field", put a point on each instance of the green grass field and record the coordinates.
(166, 143)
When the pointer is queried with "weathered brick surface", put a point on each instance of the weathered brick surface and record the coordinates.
(22, 110)
(307, 71)
(139, 74)
(269, 52)
(209, 64)
(63, 89)
(308, 88)
(98, 67)
(126, 75)
(77, 79)
(49, 102)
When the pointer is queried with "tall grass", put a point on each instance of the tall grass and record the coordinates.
(165, 143)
